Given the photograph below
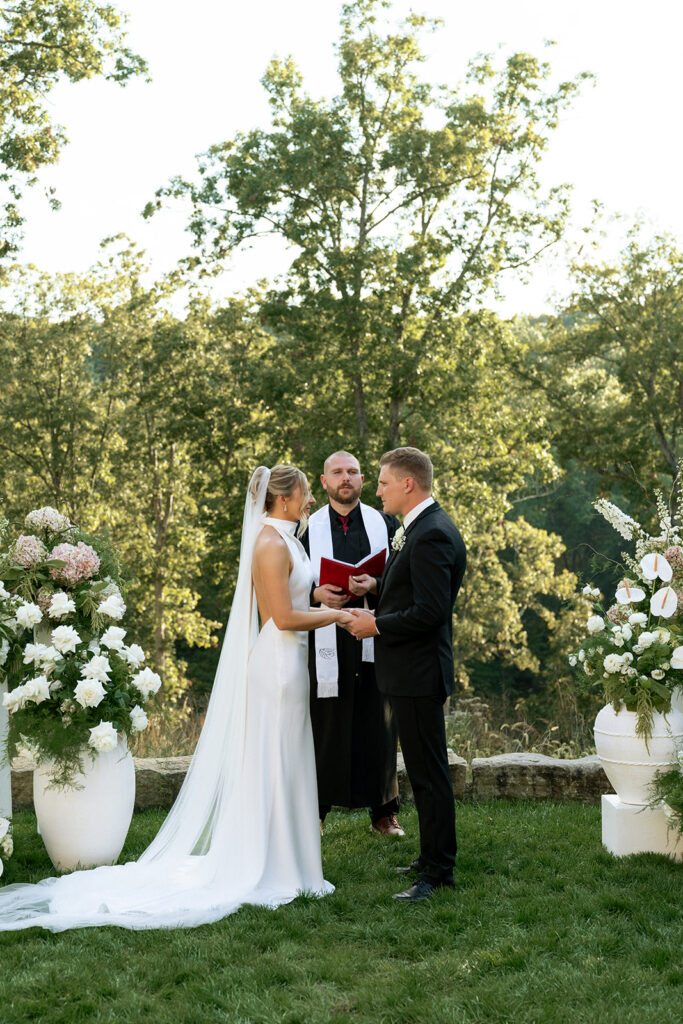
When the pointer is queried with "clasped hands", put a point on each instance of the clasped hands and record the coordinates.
(358, 621)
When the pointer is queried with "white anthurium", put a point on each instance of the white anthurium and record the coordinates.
(677, 658)
(655, 567)
(626, 594)
(664, 603)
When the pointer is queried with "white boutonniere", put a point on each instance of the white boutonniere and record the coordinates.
(399, 539)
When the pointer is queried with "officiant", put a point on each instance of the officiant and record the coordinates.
(353, 727)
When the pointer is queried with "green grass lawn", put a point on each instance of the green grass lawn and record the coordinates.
(543, 925)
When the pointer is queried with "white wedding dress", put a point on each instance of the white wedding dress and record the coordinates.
(244, 828)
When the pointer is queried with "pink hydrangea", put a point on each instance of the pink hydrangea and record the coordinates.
(619, 613)
(674, 557)
(81, 563)
(28, 551)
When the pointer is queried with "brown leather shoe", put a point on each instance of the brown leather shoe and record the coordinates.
(388, 826)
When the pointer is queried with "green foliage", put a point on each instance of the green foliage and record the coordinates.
(544, 926)
(44, 42)
(667, 789)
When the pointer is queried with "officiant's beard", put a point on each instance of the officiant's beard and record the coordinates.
(345, 495)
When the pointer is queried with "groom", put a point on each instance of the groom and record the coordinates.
(412, 627)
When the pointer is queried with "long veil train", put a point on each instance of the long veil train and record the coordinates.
(204, 862)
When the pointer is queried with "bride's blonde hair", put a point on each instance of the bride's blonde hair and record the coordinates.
(284, 480)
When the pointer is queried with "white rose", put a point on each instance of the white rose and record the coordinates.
(637, 619)
(619, 640)
(65, 639)
(612, 663)
(89, 692)
(626, 631)
(37, 690)
(663, 635)
(14, 700)
(48, 659)
(113, 638)
(631, 672)
(7, 847)
(103, 737)
(29, 615)
(4, 594)
(572, 660)
(33, 653)
(586, 668)
(677, 658)
(138, 718)
(61, 605)
(94, 647)
(112, 606)
(657, 673)
(627, 657)
(4, 651)
(582, 654)
(97, 668)
(134, 655)
(646, 639)
(147, 682)
(595, 624)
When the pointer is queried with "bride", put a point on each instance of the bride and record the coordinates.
(244, 827)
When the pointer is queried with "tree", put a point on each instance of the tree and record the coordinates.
(610, 369)
(403, 202)
(43, 42)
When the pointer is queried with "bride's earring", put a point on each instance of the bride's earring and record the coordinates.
(284, 507)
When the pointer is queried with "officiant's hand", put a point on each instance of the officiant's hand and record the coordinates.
(362, 585)
(333, 597)
(362, 624)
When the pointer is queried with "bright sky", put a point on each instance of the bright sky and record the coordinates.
(620, 143)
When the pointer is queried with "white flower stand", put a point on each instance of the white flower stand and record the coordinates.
(634, 828)
(5, 773)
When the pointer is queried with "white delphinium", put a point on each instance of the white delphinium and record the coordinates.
(147, 682)
(28, 615)
(89, 692)
(103, 737)
(138, 718)
(113, 607)
(113, 638)
(622, 523)
(65, 639)
(60, 605)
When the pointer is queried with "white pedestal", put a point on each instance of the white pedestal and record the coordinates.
(5, 773)
(632, 828)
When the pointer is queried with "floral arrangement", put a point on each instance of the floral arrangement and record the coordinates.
(6, 844)
(75, 684)
(667, 793)
(633, 648)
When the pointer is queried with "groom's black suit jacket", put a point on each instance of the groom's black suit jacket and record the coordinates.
(416, 594)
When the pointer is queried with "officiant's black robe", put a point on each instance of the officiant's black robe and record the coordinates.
(354, 733)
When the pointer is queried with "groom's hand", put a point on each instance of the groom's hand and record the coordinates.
(363, 624)
(333, 597)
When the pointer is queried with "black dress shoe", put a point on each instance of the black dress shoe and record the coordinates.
(422, 890)
(413, 868)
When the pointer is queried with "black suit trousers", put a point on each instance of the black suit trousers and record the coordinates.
(422, 735)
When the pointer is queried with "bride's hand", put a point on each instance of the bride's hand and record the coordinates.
(343, 618)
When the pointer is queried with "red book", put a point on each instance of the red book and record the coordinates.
(337, 573)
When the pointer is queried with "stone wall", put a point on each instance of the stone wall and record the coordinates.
(504, 777)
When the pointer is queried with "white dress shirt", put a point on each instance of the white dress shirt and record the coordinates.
(414, 512)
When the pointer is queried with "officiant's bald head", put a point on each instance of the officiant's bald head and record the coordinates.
(342, 478)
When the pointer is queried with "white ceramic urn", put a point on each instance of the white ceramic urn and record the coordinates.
(631, 763)
(85, 825)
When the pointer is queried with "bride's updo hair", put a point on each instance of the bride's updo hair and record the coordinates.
(284, 480)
